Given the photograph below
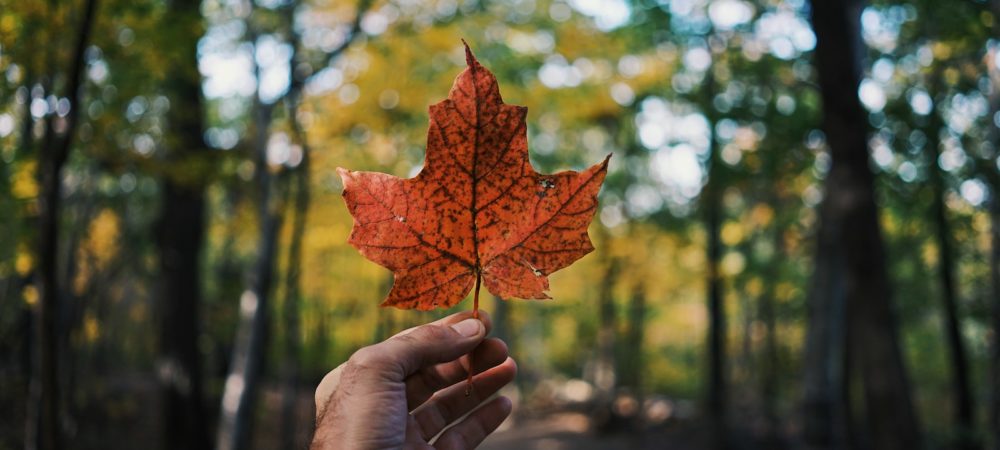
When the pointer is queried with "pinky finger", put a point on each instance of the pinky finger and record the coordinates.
(471, 431)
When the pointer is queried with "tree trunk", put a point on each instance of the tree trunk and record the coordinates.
(240, 394)
(961, 390)
(993, 179)
(711, 206)
(716, 394)
(994, 423)
(290, 366)
(634, 340)
(769, 367)
(850, 260)
(606, 373)
(179, 237)
(29, 324)
(80, 211)
(825, 408)
(55, 149)
(300, 208)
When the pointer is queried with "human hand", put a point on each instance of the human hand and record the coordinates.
(402, 392)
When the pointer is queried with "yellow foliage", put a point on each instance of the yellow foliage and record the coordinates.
(951, 76)
(98, 248)
(24, 262)
(23, 182)
(732, 233)
(138, 312)
(941, 51)
(693, 256)
(755, 287)
(929, 254)
(7, 25)
(733, 263)
(30, 295)
(785, 290)
(761, 215)
(986, 18)
(91, 328)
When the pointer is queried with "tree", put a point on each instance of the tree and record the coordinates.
(994, 261)
(54, 151)
(961, 389)
(712, 204)
(180, 233)
(299, 210)
(850, 272)
(239, 397)
(606, 364)
(994, 213)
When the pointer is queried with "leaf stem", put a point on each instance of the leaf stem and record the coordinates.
(475, 315)
(475, 298)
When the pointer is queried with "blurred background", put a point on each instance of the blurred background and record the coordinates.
(797, 243)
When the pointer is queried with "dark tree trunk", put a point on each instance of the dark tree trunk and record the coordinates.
(300, 208)
(290, 365)
(79, 211)
(994, 423)
(850, 260)
(634, 340)
(961, 390)
(605, 367)
(825, 409)
(606, 373)
(179, 237)
(988, 168)
(33, 402)
(55, 149)
(240, 395)
(769, 367)
(716, 389)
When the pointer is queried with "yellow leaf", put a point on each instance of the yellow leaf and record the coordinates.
(732, 233)
(23, 185)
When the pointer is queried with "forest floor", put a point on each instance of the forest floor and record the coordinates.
(566, 430)
(572, 430)
(125, 412)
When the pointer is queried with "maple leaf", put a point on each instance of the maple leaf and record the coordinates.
(476, 209)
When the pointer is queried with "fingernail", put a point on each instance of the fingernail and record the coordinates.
(468, 327)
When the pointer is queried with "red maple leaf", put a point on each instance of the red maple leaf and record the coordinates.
(477, 209)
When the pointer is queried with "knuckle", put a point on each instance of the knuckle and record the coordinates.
(408, 339)
(366, 358)
(425, 336)
(434, 333)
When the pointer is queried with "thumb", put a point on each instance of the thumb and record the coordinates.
(426, 345)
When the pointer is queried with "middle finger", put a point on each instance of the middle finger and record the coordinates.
(425, 382)
(452, 403)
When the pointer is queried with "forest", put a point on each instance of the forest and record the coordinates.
(797, 244)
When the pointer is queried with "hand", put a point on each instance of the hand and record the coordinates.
(402, 392)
